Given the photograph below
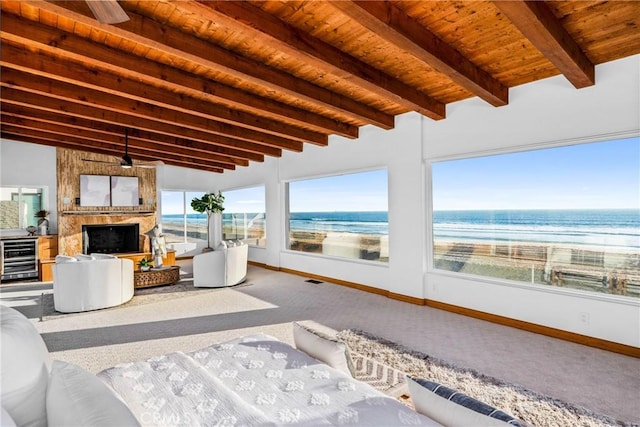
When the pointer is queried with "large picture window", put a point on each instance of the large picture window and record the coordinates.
(244, 216)
(18, 206)
(566, 216)
(180, 223)
(343, 216)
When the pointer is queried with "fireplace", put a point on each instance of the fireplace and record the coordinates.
(110, 238)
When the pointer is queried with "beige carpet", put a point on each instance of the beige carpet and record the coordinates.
(182, 318)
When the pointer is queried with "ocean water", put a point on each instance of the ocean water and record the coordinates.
(601, 227)
(375, 223)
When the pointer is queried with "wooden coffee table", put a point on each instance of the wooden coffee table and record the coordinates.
(156, 277)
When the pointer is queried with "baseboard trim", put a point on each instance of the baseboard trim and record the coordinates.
(614, 347)
(263, 265)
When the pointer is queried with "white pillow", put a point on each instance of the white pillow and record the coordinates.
(222, 245)
(76, 397)
(60, 259)
(103, 256)
(230, 243)
(24, 370)
(6, 420)
(326, 349)
(454, 409)
(83, 257)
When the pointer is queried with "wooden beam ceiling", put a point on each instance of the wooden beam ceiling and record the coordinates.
(539, 25)
(215, 85)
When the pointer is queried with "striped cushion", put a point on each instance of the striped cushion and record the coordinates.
(452, 408)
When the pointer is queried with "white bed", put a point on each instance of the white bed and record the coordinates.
(253, 380)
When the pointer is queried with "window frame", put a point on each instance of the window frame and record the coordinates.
(264, 187)
(429, 217)
(286, 217)
(44, 204)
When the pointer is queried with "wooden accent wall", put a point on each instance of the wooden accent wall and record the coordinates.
(71, 216)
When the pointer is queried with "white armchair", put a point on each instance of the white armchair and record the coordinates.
(85, 283)
(222, 267)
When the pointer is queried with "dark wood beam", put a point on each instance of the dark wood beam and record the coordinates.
(536, 21)
(12, 96)
(44, 138)
(87, 77)
(91, 98)
(53, 41)
(117, 140)
(161, 140)
(394, 25)
(173, 43)
(317, 53)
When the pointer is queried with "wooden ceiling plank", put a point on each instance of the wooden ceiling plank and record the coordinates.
(394, 25)
(32, 100)
(156, 138)
(116, 150)
(539, 25)
(117, 139)
(58, 42)
(180, 45)
(25, 135)
(317, 53)
(89, 97)
(76, 74)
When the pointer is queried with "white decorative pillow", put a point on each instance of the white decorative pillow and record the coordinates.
(6, 420)
(83, 257)
(103, 256)
(454, 409)
(222, 245)
(60, 259)
(326, 349)
(76, 397)
(24, 370)
(230, 243)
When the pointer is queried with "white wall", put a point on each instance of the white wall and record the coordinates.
(541, 114)
(30, 165)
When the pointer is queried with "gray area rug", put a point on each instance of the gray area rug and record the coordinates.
(529, 406)
(141, 296)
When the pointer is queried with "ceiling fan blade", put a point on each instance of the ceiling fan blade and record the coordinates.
(107, 11)
(102, 161)
(148, 165)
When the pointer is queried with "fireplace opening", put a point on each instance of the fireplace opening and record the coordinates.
(110, 238)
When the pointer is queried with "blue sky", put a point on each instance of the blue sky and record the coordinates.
(603, 175)
(586, 176)
(364, 191)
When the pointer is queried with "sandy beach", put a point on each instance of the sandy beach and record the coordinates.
(597, 269)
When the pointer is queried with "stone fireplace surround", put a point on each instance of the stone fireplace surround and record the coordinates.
(70, 164)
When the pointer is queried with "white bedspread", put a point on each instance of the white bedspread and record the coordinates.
(254, 380)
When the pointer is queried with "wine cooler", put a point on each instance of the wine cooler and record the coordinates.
(19, 258)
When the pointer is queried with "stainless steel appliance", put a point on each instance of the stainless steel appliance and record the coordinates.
(19, 258)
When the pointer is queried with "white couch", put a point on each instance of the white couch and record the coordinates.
(38, 391)
(226, 266)
(91, 282)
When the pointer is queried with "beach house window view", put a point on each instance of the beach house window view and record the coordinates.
(565, 216)
(180, 223)
(244, 216)
(341, 216)
(18, 206)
